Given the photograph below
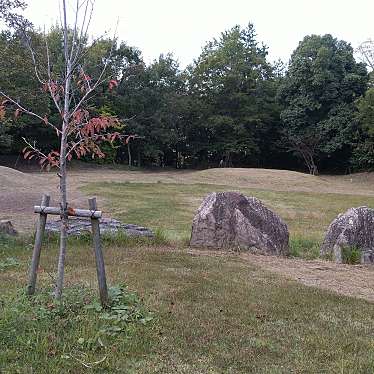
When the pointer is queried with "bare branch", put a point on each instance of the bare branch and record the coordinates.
(50, 77)
(99, 81)
(84, 29)
(366, 53)
(33, 147)
(31, 113)
(33, 57)
(75, 29)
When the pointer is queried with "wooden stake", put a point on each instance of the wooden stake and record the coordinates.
(37, 246)
(100, 267)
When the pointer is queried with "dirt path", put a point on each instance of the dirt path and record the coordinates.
(355, 281)
(349, 280)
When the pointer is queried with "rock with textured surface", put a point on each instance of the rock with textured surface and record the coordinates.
(79, 226)
(352, 229)
(6, 227)
(231, 220)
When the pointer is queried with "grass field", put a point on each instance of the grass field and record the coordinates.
(171, 207)
(211, 315)
(185, 311)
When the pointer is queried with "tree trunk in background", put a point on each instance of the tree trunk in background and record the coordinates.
(176, 157)
(129, 154)
(139, 159)
(227, 162)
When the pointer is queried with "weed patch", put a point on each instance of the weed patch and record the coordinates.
(8, 263)
(304, 247)
(77, 331)
(351, 255)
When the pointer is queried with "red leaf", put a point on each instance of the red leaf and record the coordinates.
(45, 120)
(128, 139)
(2, 112)
(112, 83)
(17, 113)
(26, 154)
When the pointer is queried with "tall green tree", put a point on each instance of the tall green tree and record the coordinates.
(318, 93)
(154, 99)
(234, 87)
(363, 155)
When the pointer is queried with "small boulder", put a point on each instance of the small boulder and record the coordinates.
(353, 229)
(6, 227)
(230, 219)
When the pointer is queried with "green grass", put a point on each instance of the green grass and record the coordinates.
(171, 207)
(211, 315)
(351, 255)
(304, 247)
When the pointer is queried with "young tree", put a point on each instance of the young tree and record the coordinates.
(70, 88)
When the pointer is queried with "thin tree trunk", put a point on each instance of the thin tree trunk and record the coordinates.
(63, 174)
(309, 161)
(129, 154)
(139, 159)
(227, 159)
(176, 157)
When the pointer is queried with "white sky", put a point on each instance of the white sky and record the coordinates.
(184, 26)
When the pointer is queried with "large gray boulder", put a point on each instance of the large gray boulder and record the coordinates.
(353, 229)
(232, 220)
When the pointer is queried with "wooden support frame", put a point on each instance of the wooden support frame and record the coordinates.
(43, 210)
(37, 246)
(100, 267)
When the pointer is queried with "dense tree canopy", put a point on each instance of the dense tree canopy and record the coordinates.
(231, 107)
(234, 88)
(318, 93)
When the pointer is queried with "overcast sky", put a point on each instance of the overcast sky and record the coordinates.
(184, 26)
